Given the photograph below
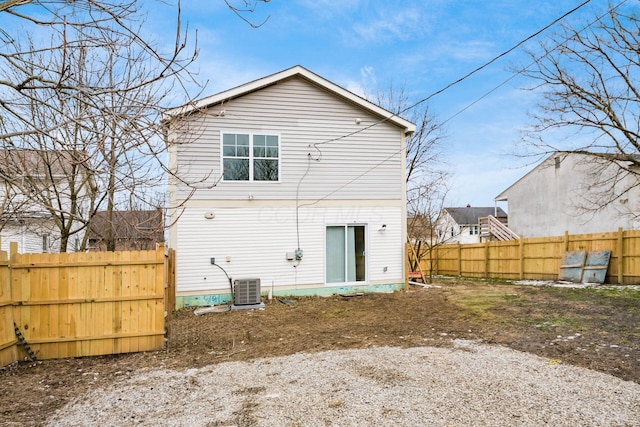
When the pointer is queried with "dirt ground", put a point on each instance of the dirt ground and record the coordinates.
(592, 328)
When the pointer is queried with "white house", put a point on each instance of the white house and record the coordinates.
(568, 191)
(463, 224)
(27, 178)
(289, 179)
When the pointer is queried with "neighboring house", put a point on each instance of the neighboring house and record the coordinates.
(564, 193)
(132, 230)
(289, 179)
(25, 177)
(463, 224)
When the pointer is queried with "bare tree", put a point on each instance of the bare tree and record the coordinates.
(426, 173)
(424, 154)
(92, 94)
(590, 83)
(90, 23)
(92, 90)
(242, 8)
(425, 208)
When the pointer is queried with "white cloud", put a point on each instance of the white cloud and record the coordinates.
(472, 50)
(390, 24)
(368, 75)
(355, 87)
(327, 9)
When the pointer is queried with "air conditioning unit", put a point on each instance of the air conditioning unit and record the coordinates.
(246, 291)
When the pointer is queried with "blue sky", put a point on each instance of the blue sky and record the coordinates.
(367, 45)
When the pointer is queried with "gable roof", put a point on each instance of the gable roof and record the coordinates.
(547, 161)
(18, 162)
(469, 215)
(297, 71)
(502, 197)
(132, 225)
(420, 226)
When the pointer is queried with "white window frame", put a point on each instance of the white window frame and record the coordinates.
(366, 255)
(252, 158)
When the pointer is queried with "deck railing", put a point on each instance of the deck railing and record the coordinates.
(492, 228)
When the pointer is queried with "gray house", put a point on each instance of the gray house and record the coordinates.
(575, 193)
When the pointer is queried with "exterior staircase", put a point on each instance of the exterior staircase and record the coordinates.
(492, 228)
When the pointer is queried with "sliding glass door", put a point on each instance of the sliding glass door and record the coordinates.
(346, 254)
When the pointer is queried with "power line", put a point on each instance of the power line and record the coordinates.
(423, 100)
(461, 79)
(598, 18)
(475, 101)
(517, 73)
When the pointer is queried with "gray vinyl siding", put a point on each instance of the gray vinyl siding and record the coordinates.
(550, 200)
(367, 165)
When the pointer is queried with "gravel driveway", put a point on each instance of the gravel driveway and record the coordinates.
(469, 384)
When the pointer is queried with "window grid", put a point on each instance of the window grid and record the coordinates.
(250, 157)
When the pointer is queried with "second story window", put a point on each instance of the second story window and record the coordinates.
(250, 157)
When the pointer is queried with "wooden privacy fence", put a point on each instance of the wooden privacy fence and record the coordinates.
(536, 258)
(84, 304)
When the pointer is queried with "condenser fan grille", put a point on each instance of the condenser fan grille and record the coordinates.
(246, 291)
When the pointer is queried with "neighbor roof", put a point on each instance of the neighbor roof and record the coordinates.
(612, 157)
(28, 162)
(469, 215)
(297, 71)
(141, 224)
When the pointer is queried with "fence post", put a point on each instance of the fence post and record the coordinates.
(486, 259)
(13, 252)
(620, 250)
(459, 251)
(565, 241)
(16, 294)
(8, 342)
(407, 266)
(521, 258)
